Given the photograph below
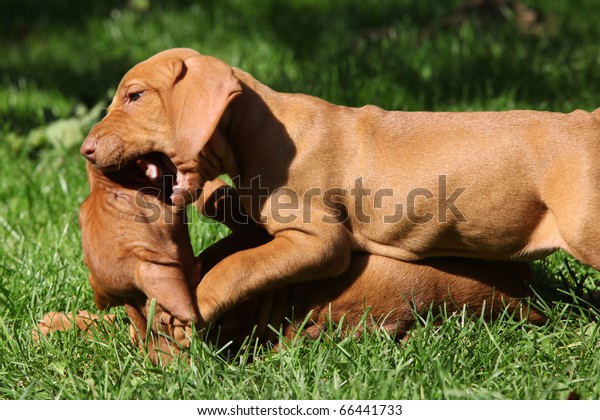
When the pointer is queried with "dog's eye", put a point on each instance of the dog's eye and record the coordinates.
(134, 96)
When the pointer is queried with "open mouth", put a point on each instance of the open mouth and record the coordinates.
(155, 170)
(160, 171)
(176, 185)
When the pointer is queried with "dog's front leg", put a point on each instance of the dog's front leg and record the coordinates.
(292, 256)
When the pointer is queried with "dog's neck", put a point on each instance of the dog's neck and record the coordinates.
(254, 124)
(247, 115)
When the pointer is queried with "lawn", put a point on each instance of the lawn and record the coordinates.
(61, 62)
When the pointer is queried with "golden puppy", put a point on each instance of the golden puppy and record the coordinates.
(328, 181)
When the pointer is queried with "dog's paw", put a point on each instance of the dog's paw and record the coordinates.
(60, 321)
(208, 315)
(167, 337)
(51, 322)
(179, 331)
(210, 305)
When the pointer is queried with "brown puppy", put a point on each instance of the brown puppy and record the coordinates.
(137, 247)
(394, 293)
(328, 180)
(135, 244)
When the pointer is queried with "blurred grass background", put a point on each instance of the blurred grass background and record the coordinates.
(60, 61)
(400, 54)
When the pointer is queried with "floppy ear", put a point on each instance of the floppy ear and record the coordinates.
(203, 88)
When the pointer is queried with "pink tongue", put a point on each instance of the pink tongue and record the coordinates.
(153, 172)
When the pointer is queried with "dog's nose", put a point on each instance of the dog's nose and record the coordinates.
(88, 149)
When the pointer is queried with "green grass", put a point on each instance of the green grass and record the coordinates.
(59, 61)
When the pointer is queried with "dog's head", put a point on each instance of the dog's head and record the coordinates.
(135, 243)
(170, 103)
